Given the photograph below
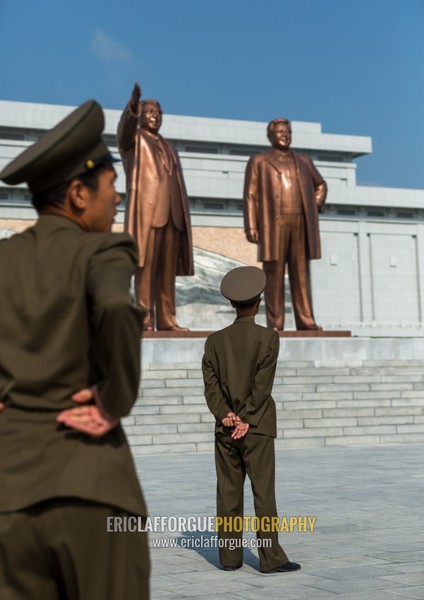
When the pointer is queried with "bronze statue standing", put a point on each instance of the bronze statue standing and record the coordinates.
(282, 197)
(157, 211)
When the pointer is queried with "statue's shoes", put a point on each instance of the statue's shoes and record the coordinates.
(175, 328)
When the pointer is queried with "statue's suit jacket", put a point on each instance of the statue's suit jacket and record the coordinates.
(238, 369)
(66, 322)
(263, 192)
(143, 187)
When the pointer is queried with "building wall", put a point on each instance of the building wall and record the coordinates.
(371, 273)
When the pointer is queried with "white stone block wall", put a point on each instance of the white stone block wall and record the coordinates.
(371, 275)
(345, 392)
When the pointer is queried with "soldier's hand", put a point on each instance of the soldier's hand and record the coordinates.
(229, 420)
(240, 430)
(252, 236)
(2, 406)
(135, 97)
(89, 418)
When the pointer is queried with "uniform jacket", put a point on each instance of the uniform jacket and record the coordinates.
(66, 322)
(143, 182)
(238, 370)
(263, 191)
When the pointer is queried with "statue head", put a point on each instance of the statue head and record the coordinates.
(151, 115)
(279, 133)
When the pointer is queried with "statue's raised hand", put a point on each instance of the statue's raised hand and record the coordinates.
(135, 97)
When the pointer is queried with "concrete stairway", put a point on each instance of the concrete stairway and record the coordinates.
(342, 400)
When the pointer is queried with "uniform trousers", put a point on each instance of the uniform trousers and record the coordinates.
(292, 251)
(155, 281)
(60, 549)
(253, 454)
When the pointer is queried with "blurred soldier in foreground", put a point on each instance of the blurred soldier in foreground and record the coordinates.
(238, 370)
(283, 193)
(69, 370)
(157, 212)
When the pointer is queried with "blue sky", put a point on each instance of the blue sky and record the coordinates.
(355, 66)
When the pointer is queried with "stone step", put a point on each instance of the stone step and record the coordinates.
(319, 403)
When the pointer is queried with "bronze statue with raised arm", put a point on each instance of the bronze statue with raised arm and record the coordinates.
(283, 194)
(157, 211)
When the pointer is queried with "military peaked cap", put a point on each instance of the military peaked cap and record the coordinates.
(243, 284)
(71, 148)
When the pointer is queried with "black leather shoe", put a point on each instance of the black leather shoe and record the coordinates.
(286, 568)
(227, 568)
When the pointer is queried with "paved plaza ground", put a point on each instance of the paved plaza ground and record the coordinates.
(368, 542)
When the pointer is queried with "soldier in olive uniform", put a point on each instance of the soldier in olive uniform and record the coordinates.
(69, 370)
(238, 370)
